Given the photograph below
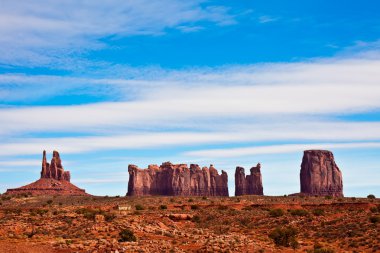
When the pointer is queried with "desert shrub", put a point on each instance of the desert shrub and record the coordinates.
(371, 196)
(222, 207)
(318, 212)
(163, 207)
(204, 198)
(194, 207)
(49, 202)
(276, 212)
(139, 207)
(328, 197)
(172, 200)
(190, 200)
(374, 209)
(318, 248)
(196, 219)
(374, 219)
(41, 212)
(6, 197)
(127, 235)
(284, 237)
(299, 212)
(109, 216)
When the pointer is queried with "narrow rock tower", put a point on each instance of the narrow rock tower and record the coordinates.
(248, 185)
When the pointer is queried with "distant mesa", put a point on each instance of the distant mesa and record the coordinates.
(248, 185)
(54, 180)
(320, 175)
(176, 180)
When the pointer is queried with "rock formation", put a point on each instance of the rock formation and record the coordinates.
(54, 169)
(320, 175)
(248, 185)
(176, 180)
(54, 180)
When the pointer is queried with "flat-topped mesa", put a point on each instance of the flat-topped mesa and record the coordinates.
(320, 175)
(176, 180)
(54, 180)
(248, 185)
(55, 169)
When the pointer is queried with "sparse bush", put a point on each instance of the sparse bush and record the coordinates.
(284, 237)
(190, 200)
(49, 202)
(318, 248)
(41, 212)
(318, 212)
(127, 235)
(371, 196)
(196, 219)
(276, 212)
(374, 219)
(299, 212)
(139, 207)
(163, 207)
(222, 207)
(374, 209)
(328, 197)
(194, 207)
(204, 198)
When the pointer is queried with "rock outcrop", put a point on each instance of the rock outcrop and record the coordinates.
(248, 185)
(54, 180)
(176, 180)
(320, 175)
(54, 169)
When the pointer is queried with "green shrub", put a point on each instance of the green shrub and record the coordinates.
(328, 197)
(139, 207)
(194, 207)
(163, 207)
(299, 212)
(371, 196)
(284, 237)
(127, 235)
(196, 219)
(204, 198)
(318, 248)
(276, 212)
(318, 212)
(374, 219)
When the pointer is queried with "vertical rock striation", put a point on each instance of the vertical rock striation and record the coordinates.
(320, 175)
(176, 180)
(55, 169)
(250, 184)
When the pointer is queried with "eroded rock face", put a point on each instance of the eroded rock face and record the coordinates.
(54, 169)
(248, 185)
(176, 180)
(320, 175)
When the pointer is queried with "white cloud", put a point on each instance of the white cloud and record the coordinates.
(31, 30)
(277, 149)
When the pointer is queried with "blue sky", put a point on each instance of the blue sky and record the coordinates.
(210, 82)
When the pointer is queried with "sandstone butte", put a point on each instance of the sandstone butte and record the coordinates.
(248, 185)
(54, 180)
(320, 175)
(176, 180)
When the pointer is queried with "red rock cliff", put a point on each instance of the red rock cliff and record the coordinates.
(320, 175)
(176, 180)
(250, 184)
